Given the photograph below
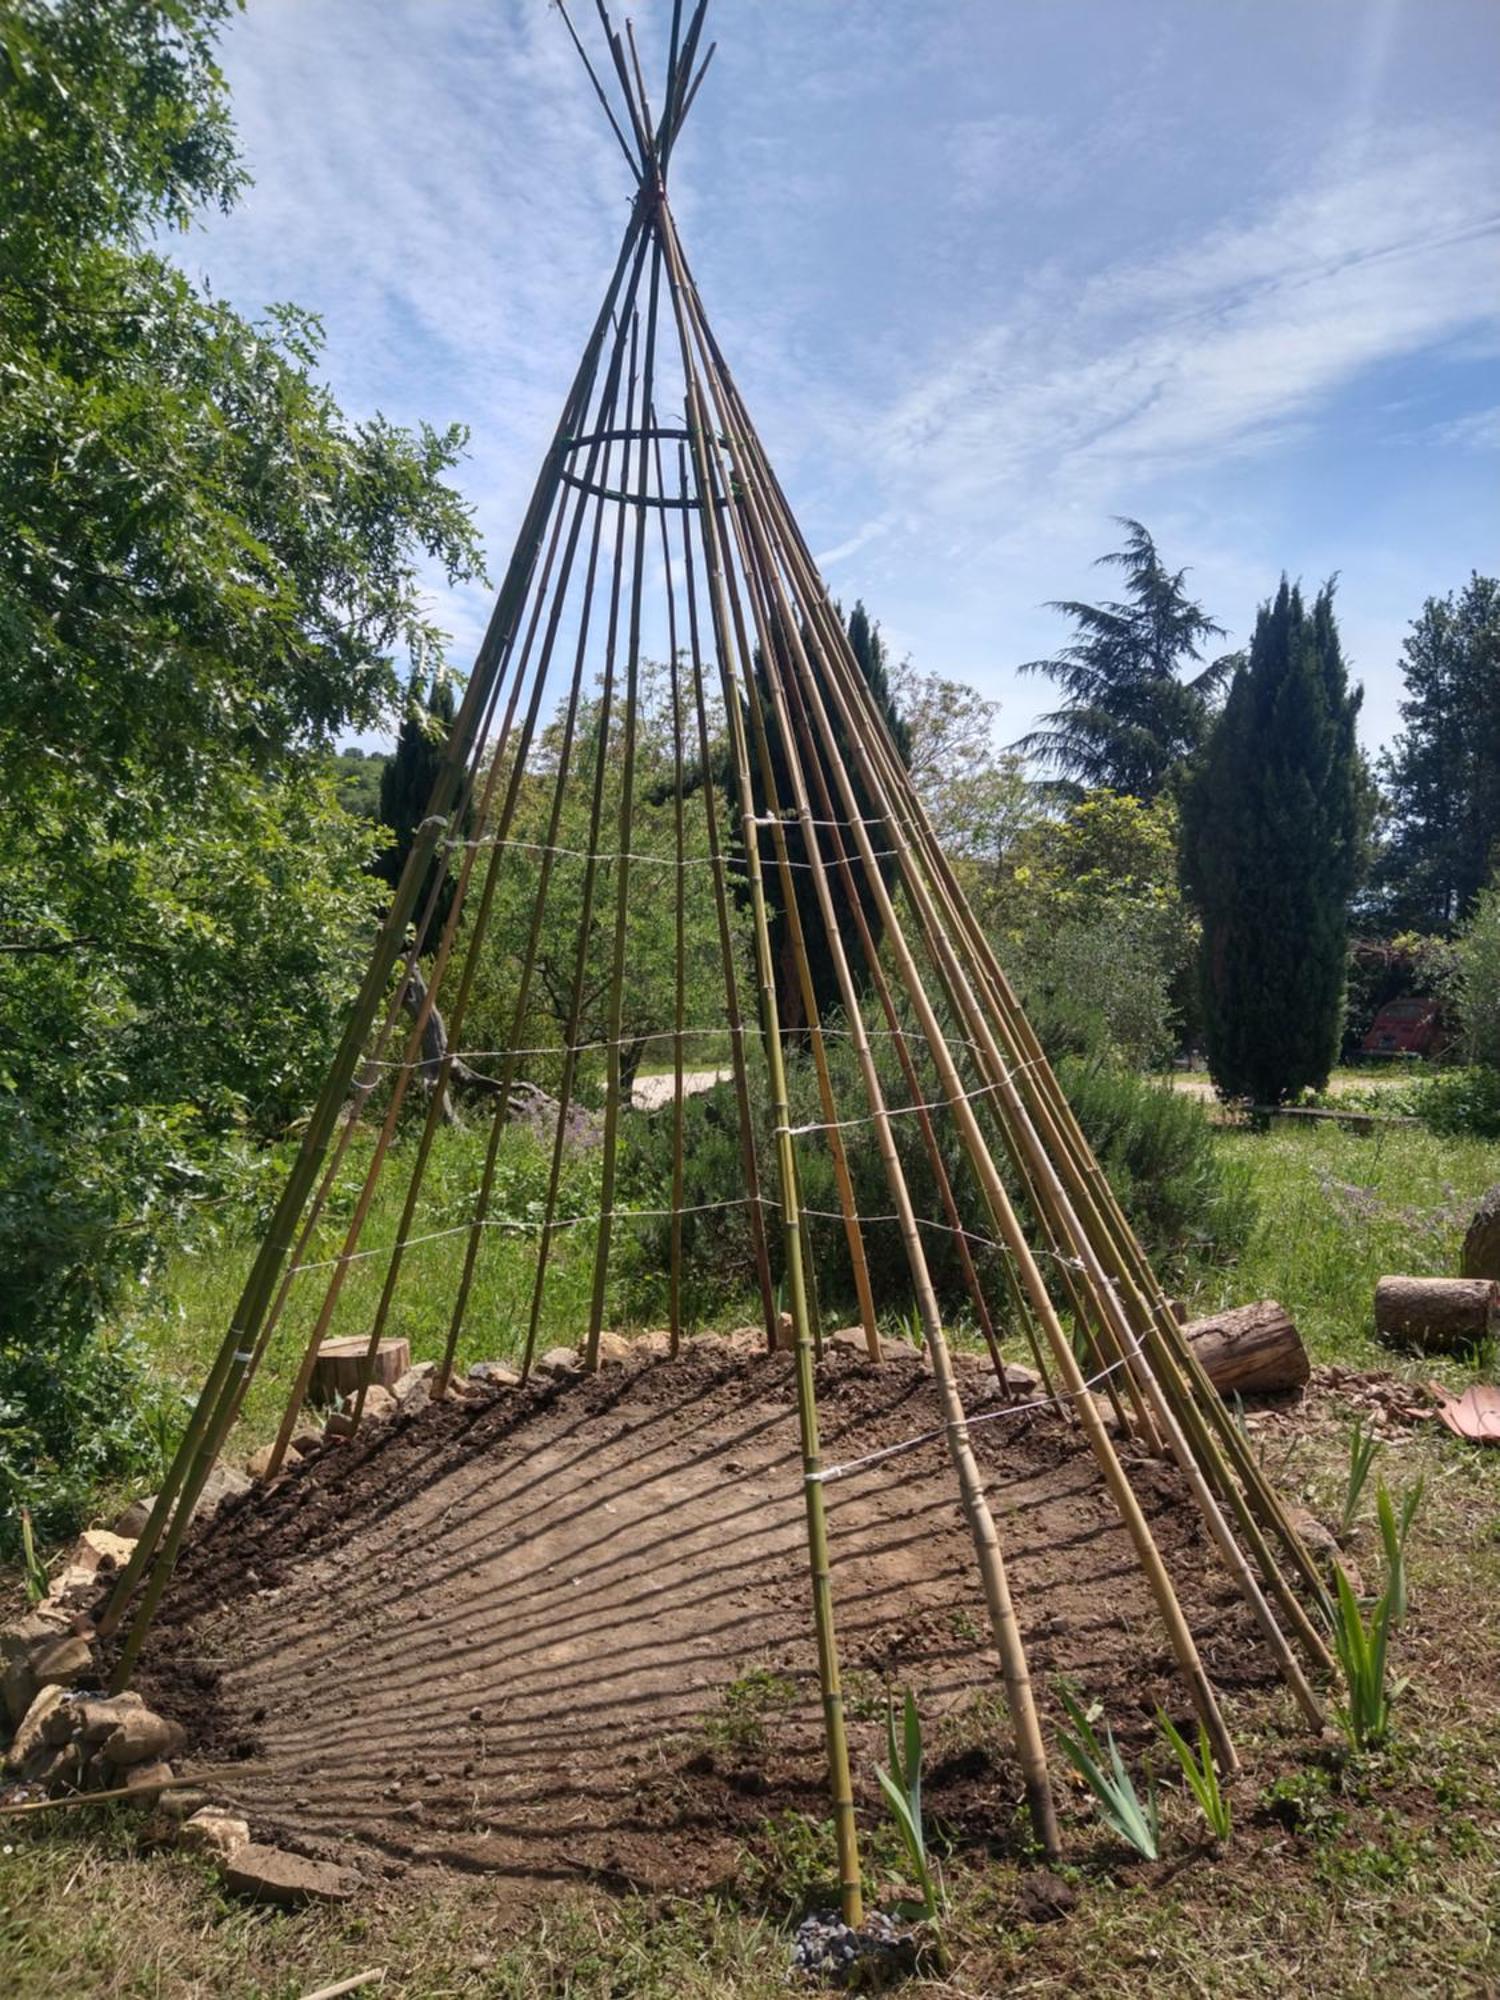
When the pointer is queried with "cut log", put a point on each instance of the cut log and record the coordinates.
(1250, 1350)
(1437, 1315)
(341, 1368)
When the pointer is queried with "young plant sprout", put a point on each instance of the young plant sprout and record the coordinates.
(1114, 1792)
(1363, 1445)
(1363, 1649)
(902, 1786)
(1395, 1525)
(1201, 1773)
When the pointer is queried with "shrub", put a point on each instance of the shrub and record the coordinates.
(1456, 1102)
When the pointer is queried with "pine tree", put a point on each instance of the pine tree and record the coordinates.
(1133, 717)
(1442, 773)
(1275, 822)
(405, 787)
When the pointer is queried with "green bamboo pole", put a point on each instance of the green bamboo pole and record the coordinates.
(735, 673)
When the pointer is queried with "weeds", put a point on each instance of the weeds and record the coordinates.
(34, 1571)
(1363, 1446)
(1114, 1791)
(1395, 1525)
(740, 1725)
(1365, 1716)
(1201, 1774)
(902, 1786)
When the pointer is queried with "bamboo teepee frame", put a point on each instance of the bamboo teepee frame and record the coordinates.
(687, 513)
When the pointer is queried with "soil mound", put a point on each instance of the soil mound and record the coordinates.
(566, 1632)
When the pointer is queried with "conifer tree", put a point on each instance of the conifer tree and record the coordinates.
(1275, 822)
(406, 785)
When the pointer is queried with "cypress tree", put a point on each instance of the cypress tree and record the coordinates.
(1275, 821)
(406, 786)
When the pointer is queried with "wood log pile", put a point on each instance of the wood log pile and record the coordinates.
(1437, 1315)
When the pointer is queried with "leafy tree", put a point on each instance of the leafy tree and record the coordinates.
(976, 795)
(1094, 929)
(357, 773)
(1275, 823)
(206, 571)
(1442, 773)
(1133, 716)
(648, 998)
(1476, 980)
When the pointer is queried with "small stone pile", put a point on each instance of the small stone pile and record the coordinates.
(78, 1742)
(875, 1956)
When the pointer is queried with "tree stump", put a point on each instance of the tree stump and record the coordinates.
(1251, 1350)
(1437, 1315)
(1481, 1258)
(341, 1370)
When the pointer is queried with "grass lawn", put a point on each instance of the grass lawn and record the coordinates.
(1348, 1877)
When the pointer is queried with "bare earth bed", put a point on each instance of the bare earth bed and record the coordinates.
(564, 1635)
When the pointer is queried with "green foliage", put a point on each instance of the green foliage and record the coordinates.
(901, 1783)
(1274, 826)
(1463, 1102)
(1442, 773)
(740, 1724)
(1102, 1769)
(1362, 1650)
(1476, 979)
(205, 572)
(33, 1569)
(1190, 1203)
(1201, 1773)
(1395, 1526)
(1363, 1446)
(1133, 716)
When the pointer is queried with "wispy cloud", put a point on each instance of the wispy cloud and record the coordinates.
(1085, 389)
(1479, 431)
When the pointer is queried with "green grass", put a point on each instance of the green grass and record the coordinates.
(1339, 1210)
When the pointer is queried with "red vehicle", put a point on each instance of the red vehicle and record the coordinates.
(1410, 1027)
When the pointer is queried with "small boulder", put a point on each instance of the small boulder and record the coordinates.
(854, 1340)
(786, 1331)
(379, 1403)
(258, 1464)
(267, 1875)
(214, 1832)
(71, 1587)
(498, 1374)
(414, 1389)
(181, 1802)
(305, 1443)
(1481, 1253)
(614, 1347)
(99, 1549)
(31, 1736)
(62, 1662)
(146, 1777)
(132, 1523)
(141, 1737)
(560, 1361)
(340, 1424)
(100, 1715)
(1021, 1381)
(224, 1482)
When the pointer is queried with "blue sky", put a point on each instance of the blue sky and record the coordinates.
(988, 273)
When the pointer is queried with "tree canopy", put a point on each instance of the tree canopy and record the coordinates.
(1275, 823)
(1133, 714)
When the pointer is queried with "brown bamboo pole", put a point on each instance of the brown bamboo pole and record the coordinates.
(733, 672)
(733, 1014)
(1004, 1626)
(160, 1542)
(1169, 1609)
(590, 879)
(626, 819)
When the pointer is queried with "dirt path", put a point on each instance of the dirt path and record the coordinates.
(493, 1636)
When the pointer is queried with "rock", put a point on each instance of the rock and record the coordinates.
(98, 1549)
(305, 1443)
(258, 1464)
(498, 1374)
(224, 1482)
(414, 1390)
(340, 1424)
(180, 1802)
(62, 1662)
(30, 1737)
(17, 1688)
(71, 1587)
(614, 1347)
(855, 1341)
(560, 1361)
(1043, 1897)
(132, 1522)
(215, 1832)
(1322, 1544)
(746, 1340)
(99, 1715)
(1481, 1253)
(268, 1875)
(786, 1331)
(379, 1403)
(141, 1737)
(147, 1777)
(1021, 1381)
